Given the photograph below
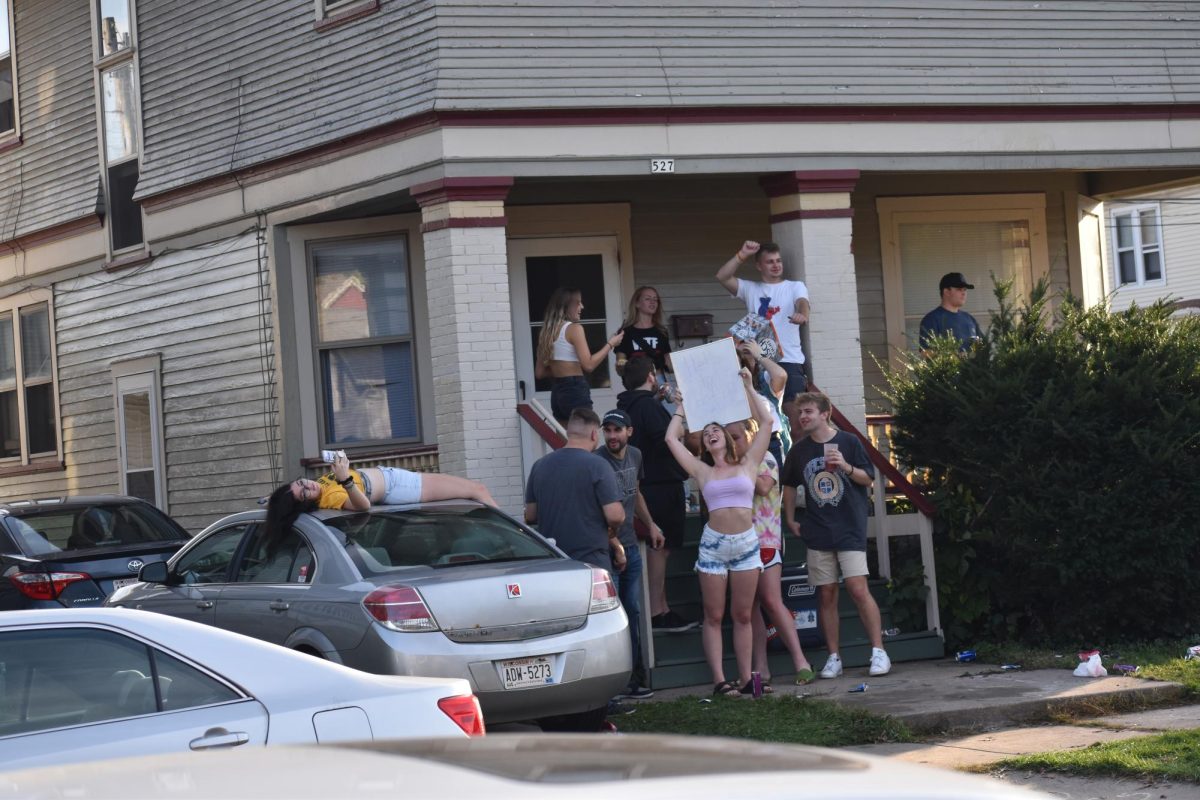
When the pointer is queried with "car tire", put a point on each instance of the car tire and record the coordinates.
(581, 722)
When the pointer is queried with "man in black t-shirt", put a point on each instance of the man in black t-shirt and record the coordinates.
(834, 471)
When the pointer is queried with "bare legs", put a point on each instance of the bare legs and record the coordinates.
(868, 611)
(438, 486)
(770, 599)
(656, 579)
(742, 586)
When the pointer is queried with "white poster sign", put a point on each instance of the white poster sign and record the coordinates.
(712, 389)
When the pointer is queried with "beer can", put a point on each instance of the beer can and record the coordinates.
(756, 684)
(964, 655)
(862, 687)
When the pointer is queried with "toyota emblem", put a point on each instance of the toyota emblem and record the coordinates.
(135, 565)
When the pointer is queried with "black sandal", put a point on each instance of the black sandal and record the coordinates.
(726, 689)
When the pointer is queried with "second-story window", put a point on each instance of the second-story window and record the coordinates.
(8, 84)
(120, 121)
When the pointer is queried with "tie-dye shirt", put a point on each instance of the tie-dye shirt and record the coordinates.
(767, 518)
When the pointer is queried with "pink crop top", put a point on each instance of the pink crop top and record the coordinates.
(735, 492)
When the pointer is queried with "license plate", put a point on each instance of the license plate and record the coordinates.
(120, 582)
(520, 673)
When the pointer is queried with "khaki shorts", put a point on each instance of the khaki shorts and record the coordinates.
(823, 565)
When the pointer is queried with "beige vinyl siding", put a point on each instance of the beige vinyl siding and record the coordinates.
(226, 85)
(204, 311)
(1180, 212)
(535, 53)
(53, 177)
(868, 258)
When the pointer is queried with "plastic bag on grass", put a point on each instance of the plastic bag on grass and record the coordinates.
(1090, 666)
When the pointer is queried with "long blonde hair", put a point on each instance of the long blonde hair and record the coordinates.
(553, 320)
(631, 314)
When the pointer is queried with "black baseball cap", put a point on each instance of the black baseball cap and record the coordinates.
(954, 280)
(617, 417)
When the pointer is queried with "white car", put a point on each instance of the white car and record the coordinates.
(95, 683)
(525, 766)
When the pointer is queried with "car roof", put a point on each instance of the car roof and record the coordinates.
(223, 651)
(533, 766)
(18, 507)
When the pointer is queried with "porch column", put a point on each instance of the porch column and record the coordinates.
(470, 331)
(811, 221)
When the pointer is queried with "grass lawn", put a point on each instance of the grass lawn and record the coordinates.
(1167, 756)
(780, 718)
(1161, 661)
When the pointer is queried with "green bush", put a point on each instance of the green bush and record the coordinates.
(1064, 460)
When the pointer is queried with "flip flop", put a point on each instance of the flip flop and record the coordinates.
(804, 676)
(726, 689)
(767, 688)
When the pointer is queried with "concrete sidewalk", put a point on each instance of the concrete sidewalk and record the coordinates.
(979, 715)
(945, 696)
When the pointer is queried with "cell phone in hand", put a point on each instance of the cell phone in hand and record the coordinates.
(329, 456)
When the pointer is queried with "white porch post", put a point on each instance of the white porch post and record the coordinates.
(811, 221)
(470, 331)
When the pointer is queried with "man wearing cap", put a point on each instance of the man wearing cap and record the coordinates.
(626, 462)
(949, 316)
(572, 496)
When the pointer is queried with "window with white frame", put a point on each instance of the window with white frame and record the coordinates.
(120, 122)
(331, 10)
(140, 429)
(1137, 245)
(28, 421)
(363, 338)
(8, 83)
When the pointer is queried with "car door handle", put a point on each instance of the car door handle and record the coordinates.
(279, 605)
(219, 737)
(204, 604)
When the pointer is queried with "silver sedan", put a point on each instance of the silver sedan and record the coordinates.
(443, 589)
(87, 684)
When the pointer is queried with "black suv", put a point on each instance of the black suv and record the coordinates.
(74, 551)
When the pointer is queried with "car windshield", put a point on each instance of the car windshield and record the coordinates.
(43, 531)
(382, 541)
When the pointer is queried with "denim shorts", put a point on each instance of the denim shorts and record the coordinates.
(797, 380)
(568, 394)
(401, 486)
(722, 553)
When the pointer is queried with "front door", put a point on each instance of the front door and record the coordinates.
(536, 268)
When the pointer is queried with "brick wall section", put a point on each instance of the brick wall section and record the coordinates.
(474, 387)
(817, 251)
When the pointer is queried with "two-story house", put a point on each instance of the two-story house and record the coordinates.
(234, 234)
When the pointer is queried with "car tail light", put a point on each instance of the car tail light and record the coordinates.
(400, 608)
(46, 585)
(604, 594)
(465, 711)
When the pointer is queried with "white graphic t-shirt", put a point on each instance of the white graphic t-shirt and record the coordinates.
(777, 302)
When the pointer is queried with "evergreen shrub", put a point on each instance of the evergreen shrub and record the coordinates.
(1064, 459)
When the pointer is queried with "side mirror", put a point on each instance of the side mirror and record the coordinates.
(154, 572)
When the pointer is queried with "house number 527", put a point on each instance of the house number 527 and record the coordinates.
(662, 165)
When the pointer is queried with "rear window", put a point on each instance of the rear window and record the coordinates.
(48, 530)
(380, 542)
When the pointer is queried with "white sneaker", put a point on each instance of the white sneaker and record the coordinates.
(880, 663)
(833, 666)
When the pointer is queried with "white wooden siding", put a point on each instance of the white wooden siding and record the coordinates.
(201, 309)
(1180, 211)
(53, 177)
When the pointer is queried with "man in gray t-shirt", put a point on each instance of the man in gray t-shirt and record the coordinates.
(573, 497)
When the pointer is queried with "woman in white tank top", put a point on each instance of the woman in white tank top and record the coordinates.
(563, 353)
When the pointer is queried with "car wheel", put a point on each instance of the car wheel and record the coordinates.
(582, 722)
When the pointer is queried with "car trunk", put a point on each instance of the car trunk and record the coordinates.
(109, 568)
(508, 602)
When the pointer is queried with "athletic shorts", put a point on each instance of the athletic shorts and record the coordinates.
(722, 553)
(665, 502)
(823, 565)
(770, 556)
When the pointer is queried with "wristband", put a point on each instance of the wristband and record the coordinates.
(346, 484)
(851, 472)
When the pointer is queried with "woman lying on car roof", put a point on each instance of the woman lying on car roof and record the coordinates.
(358, 489)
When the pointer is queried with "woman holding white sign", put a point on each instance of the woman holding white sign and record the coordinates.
(729, 551)
(563, 353)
